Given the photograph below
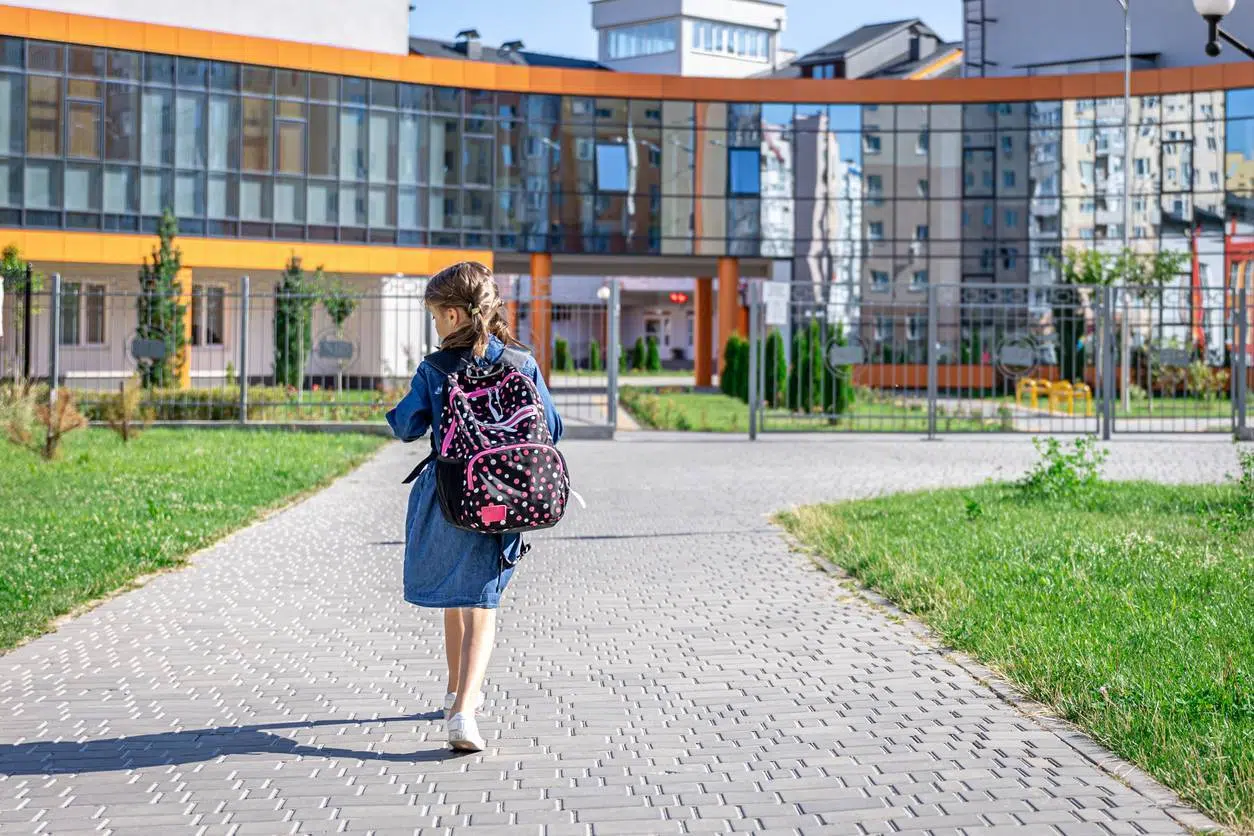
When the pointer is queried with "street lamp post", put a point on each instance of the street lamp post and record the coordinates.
(1214, 11)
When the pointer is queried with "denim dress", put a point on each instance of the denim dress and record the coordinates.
(448, 567)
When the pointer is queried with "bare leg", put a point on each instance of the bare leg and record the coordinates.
(453, 646)
(478, 635)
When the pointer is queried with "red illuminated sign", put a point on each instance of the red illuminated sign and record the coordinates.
(679, 298)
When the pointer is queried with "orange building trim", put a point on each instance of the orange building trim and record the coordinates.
(68, 247)
(193, 43)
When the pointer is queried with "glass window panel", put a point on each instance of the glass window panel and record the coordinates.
(415, 97)
(292, 84)
(223, 136)
(258, 80)
(189, 194)
(444, 151)
(289, 201)
(323, 88)
(477, 212)
(353, 205)
(382, 163)
(121, 190)
(410, 209)
(121, 129)
(322, 203)
(11, 52)
(322, 137)
(291, 147)
(10, 182)
(43, 126)
(383, 94)
(224, 77)
(94, 314)
(355, 91)
(611, 169)
(407, 148)
(353, 129)
(477, 161)
(156, 192)
(156, 145)
(82, 188)
(446, 100)
(258, 134)
(382, 207)
(159, 69)
(193, 73)
(84, 130)
(189, 120)
(12, 107)
(255, 199)
(744, 171)
(45, 57)
(223, 196)
(445, 208)
(69, 313)
(87, 61)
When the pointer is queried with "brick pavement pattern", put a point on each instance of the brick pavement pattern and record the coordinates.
(665, 665)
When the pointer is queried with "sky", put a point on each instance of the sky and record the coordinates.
(564, 27)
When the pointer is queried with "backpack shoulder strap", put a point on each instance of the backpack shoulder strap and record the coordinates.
(449, 361)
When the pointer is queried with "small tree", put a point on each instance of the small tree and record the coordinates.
(838, 391)
(562, 360)
(160, 308)
(624, 360)
(595, 363)
(1081, 271)
(639, 356)
(294, 299)
(339, 303)
(776, 371)
(818, 365)
(653, 358)
(731, 357)
(794, 370)
(125, 413)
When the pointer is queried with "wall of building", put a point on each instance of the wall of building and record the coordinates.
(1026, 33)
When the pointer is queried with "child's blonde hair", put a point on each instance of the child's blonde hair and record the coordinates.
(470, 286)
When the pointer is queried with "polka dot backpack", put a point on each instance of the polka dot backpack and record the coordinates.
(497, 469)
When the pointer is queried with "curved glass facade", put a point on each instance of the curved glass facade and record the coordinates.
(886, 197)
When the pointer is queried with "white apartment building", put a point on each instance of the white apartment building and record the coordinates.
(725, 38)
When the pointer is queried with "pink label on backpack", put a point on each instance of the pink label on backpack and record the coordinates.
(492, 514)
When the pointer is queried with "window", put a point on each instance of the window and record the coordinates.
(988, 215)
(879, 281)
(1008, 179)
(1142, 166)
(1012, 218)
(922, 143)
(1086, 173)
(883, 327)
(923, 187)
(740, 41)
(875, 230)
(1214, 179)
(916, 327)
(1009, 257)
(644, 39)
(1211, 144)
(1087, 233)
(208, 315)
(1007, 146)
(585, 147)
(871, 144)
(921, 232)
(611, 167)
(919, 280)
(744, 171)
(82, 314)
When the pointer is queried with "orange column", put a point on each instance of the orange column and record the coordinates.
(541, 310)
(703, 331)
(728, 302)
(183, 363)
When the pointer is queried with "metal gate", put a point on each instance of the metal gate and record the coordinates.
(983, 357)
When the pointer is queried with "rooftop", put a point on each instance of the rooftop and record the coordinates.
(513, 52)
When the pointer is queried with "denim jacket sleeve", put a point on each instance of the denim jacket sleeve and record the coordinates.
(550, 411)
(411, 418)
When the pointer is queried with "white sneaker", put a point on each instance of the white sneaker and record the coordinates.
(463, 734)
(451, 697)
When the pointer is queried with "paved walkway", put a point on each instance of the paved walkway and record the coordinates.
(666, 665)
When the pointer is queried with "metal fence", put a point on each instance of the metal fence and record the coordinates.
(1001, 358)
(247, 351)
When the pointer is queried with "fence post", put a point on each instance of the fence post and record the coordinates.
(28, 303)
(933, 359)
(54, 341)
(755, 345)
(1106, 361)
(613, 337)
(244, 298)
(1242, 365)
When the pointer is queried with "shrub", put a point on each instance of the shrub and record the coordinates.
(595, 362)
(742, 369)
(1060, 474)
(624, 360)
(19, 405)
(562, 361)
(838, 391)
(639, 356)
(294, 298)
(57, 419)
(727, 377)
(653, 358)
(776, 372)
(125, 412)
(159, 310)
(794, 371)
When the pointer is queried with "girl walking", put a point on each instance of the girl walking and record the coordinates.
(460, 571)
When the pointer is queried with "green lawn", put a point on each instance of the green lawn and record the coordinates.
(81, 527)
(1128, 610)
(704, 412)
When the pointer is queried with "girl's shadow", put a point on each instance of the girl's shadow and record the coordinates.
(193, 745)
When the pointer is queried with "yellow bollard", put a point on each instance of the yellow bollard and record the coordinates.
(1026, 385)
(1062, 396)
(1084, 393)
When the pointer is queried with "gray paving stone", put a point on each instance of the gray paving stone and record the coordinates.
(665, 663)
